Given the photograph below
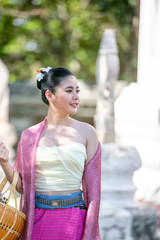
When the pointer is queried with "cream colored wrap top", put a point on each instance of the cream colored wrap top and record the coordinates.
(60, 168)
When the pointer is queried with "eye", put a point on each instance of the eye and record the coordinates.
(78, 91)
(69, 91)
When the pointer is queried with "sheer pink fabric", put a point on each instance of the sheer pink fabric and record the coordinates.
(25, 165)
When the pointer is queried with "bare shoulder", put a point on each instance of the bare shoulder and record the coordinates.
(91, 140)
(90, 131)
(87, 130)
(89, 136)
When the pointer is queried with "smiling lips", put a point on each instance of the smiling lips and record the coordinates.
(74, 105)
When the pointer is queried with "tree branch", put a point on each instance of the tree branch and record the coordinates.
(22, 14)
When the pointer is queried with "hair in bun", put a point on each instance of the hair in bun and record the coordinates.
(40, 74)
(49, 78)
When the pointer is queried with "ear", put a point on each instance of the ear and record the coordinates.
(49, 96)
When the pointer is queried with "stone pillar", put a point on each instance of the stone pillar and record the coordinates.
(119, 213)
(118, 166)
(149, 44)
(137, 110)
(107, 71)
(4, 93)
(7, 132)
(120, 217)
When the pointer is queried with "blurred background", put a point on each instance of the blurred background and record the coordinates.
(112, 47)
(35, 33)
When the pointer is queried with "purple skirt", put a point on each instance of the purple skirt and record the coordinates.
(59, 224)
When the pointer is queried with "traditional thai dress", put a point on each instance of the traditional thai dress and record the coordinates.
(71, 223)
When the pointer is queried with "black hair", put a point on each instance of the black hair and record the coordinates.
(51, 80)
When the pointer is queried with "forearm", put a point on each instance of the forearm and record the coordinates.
(9, 172)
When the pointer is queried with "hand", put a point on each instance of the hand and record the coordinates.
(4, 153)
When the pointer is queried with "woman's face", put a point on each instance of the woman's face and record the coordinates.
(66, 96)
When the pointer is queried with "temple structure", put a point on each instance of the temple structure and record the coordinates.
(137, 111)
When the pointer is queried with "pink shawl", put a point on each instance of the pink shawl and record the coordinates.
(25, 165)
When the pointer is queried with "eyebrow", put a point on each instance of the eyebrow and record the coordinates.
(71, 87)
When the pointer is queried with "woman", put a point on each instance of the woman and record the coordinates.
(54, 158)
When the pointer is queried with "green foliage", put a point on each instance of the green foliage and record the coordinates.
(36, 33)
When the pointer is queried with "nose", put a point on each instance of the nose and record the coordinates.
(75, 95)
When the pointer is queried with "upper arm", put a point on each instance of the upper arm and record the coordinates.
(92, 143)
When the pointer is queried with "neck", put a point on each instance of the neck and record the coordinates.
(55, 119)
